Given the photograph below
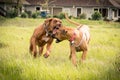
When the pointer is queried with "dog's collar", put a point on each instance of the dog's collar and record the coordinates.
(72, 39)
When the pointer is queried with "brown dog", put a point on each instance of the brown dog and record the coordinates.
(78, 38)
(42, 36)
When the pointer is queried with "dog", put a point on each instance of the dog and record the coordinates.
(42, 36)
(78, 37)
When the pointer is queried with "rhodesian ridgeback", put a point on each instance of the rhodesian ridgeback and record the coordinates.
(42, 36)
(78, 37)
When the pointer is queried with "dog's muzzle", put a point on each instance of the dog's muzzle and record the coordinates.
(57, 40)
(54, 33)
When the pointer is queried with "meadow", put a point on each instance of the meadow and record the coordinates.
(16, 63)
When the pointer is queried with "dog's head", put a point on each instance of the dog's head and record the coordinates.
(60, 35)
(52, 24)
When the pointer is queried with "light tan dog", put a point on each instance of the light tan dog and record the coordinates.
(78, 38)
(42, 36)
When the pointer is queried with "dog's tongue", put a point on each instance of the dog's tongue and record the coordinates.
(54, 31)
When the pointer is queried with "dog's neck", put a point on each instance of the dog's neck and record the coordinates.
(70, 35)
(45, 29)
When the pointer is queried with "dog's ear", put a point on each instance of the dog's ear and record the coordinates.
(64, 32)
(47, 21)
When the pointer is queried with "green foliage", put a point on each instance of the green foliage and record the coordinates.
(96, 16)
(82, 16)
(24, 15)
(70, 17)
(34, 15)
(55, 16)
(60, 16)
(16, 63)
(29, 14)
(12, 13)
(38, 13)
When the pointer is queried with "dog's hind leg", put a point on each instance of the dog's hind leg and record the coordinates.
(73, 55)
(84, 55)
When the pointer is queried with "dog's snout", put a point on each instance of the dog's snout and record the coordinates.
(59, 23)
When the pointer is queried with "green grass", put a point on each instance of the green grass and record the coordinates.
(16, 63)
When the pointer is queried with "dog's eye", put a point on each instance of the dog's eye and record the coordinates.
(55, 21)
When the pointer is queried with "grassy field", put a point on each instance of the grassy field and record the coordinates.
(16, 63)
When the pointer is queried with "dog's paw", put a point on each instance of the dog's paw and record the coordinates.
(46, 55)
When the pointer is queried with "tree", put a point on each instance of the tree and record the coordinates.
(47, 3)
(18, 4)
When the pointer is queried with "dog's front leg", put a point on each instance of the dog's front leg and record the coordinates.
(48, 48)
(41, 50)
(33, 46)
(73, 55)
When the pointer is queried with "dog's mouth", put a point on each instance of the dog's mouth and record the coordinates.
(50, 33)
(55, 32)
(57, 27)
(57, 40)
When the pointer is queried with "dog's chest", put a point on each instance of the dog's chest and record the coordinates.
(45, 38)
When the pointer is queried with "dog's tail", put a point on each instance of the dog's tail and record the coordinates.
(77, 24)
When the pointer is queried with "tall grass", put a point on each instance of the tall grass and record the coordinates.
(16, 63)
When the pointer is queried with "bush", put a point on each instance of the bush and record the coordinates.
(55, 16)
(29, 13)
(82, 16)
(49, 16)
(34, 15)
(96, 16)
(38, 13)
(70, 17)
(60, 16)
(24, 15)
(12, 13)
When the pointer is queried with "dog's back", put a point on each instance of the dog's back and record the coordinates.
(85, 30)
